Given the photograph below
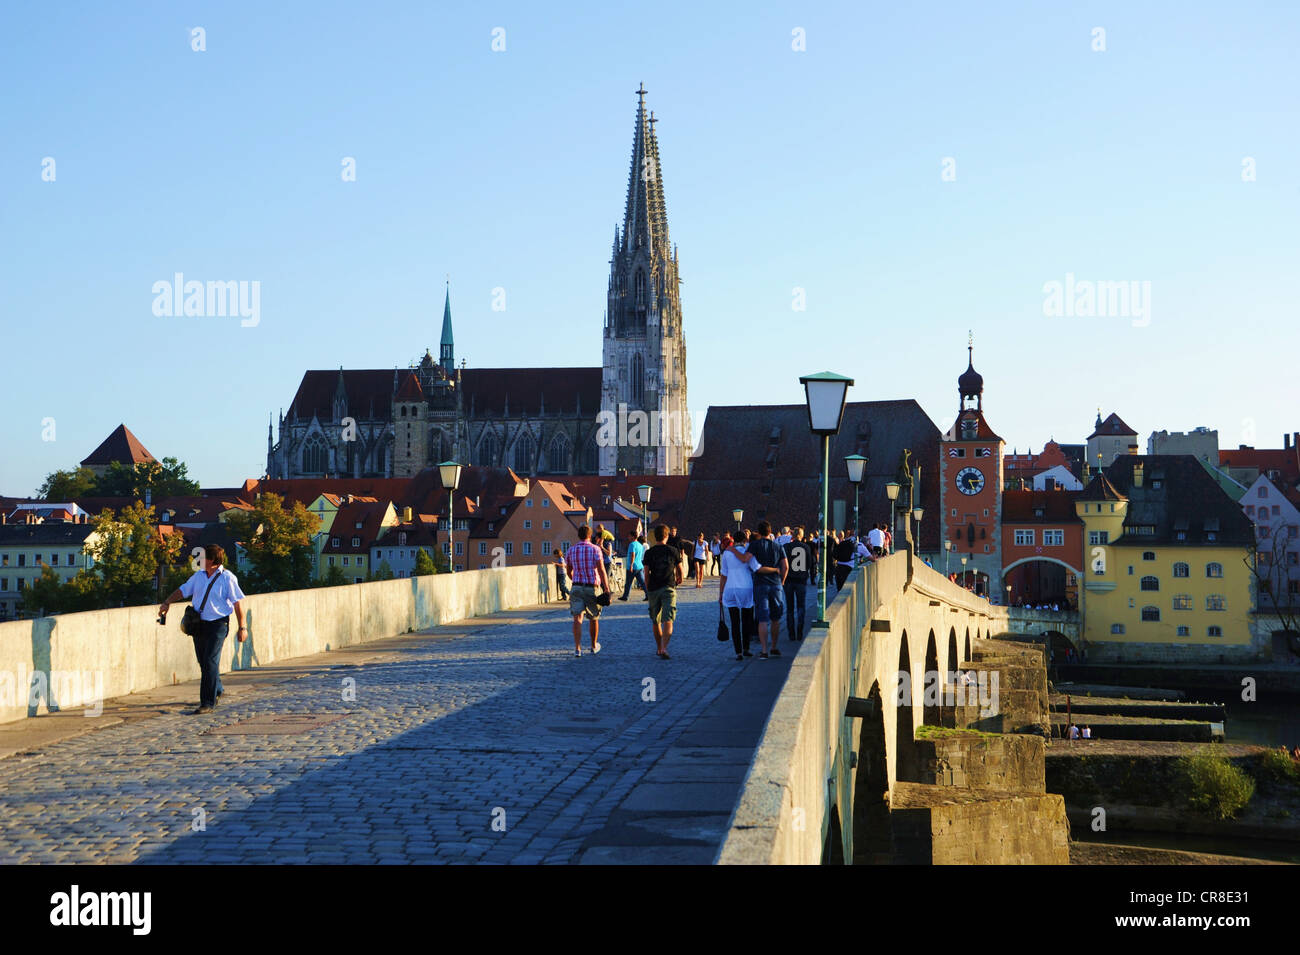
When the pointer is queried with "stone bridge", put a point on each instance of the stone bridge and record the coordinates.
(1063, 628)
(905, 733)
(446, 719)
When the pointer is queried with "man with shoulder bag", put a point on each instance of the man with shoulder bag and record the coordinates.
(213, 593)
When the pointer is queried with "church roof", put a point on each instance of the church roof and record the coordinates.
(446, 319)
(366, 388)
(410, 390)
(121, 446)
(1177, 495)
(1113, 425)
(487, 391)
(1100, 489)
(764, 460)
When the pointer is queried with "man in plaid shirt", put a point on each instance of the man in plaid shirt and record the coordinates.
(586, 566)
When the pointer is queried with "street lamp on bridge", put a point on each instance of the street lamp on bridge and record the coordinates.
(825, 393)
(857, 465)
(891, 492)
(449, 471)
(737, 515)
(643, 494)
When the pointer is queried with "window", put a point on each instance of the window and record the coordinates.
(986, 548)
(954, 512)
(1181, 570)
(356, 542)
(4, 583)
(1214, 570)
(1150, 583)
(546, 547)
(71, 561)
(1130, 570)
(528, 548)
(1277, 511)
(528, 502)
(546, 502)
(1214, 602)
(1293, 531)
(528, 525)
(1214, 631)
(4, 560)
(345, 561)
(361, 561)
(482, 548)
(334, 542)
(1182, 601)
(22, 560)
(1263, 531)
(1025, 538)
(331, 561)
(1148, 555)
(1116, 628)
(1098, 537)
(1263, 492)
(446, 548)
(1151, 614)
(1184, 631)
(1250, 510)
(358, 580)
(401, 541)
(956, 452)
(460, 548)
(546, 525)
(510, 547)
(1053, 538)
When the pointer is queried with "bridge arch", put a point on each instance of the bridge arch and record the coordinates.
(1042, 579)
(872, 838)
(903, 703)
(930, 701)
(954, 661)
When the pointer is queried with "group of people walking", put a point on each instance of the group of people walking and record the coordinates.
(763, 579)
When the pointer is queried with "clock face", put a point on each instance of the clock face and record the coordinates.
(970, 480)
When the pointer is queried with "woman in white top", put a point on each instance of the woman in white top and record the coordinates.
(715, 551)
(736, 593)
(701, 555)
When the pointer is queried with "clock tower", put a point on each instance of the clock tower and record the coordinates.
(970, 487)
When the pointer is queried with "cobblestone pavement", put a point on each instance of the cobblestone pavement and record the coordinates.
(492, 744)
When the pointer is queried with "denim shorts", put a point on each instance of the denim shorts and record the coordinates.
(769, 600)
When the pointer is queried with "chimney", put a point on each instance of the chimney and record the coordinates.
(406, 515)
(1286, 441)
(1138, 474)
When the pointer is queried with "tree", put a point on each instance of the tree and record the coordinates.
(67, 485)
(424, 564)
(170, 478)
(333, 577)
(383, 571)
(129, 552)
(1269, 564)
(48, 594)
(277, 543)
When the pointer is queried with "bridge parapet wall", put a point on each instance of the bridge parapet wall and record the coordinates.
(785, 809)
(133, 653)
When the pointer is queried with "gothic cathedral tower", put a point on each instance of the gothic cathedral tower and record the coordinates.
(643, 378)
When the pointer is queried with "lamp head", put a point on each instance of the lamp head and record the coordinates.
(891, 490)
(825, 393)
(449, 471)
(643, 492)
(857, 465)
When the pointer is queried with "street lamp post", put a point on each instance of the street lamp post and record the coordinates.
(891, 491)
(857, 465)
(916, 513)
(643, 492)
(947, 550)
(1008, 595)
(737, 515)
(825, 393)
(449, 471)
(964, 558)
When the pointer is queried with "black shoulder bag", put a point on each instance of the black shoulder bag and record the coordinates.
(191, 619)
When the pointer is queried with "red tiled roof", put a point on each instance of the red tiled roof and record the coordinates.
(530, 390)
(121, 446)
(1057, 506)
(1113, 425)
(1286, 461)
(410, 390)
(368, 514)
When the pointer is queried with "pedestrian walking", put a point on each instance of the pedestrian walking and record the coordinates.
(736, 593)
(715, 554)
(799, 555)
(214, 593)
(635, 550)
(876, 540)
(700, 558)
(561, 580)
(586, 566)
(768, 562)
(663, 577)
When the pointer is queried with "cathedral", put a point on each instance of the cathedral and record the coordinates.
(537, 421)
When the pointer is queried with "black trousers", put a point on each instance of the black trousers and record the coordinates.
(742, 627)
(841, 575)
(207, 649)
(795, 594)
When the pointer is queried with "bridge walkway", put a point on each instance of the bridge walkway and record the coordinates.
(482, 741)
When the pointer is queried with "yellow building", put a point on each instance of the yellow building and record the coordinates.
(1166, 578)
(27, 548)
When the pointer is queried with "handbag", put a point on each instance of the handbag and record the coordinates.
(723, 633)
(602, 599)
(191, 619)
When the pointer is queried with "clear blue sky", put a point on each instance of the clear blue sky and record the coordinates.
(818, 169)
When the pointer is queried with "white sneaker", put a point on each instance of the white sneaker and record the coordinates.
(577, 653)
(596, 648)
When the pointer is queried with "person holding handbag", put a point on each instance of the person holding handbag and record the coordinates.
(214, 593)
(585, 564)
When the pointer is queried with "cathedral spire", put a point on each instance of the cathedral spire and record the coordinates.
(645, 222)
(446, 347)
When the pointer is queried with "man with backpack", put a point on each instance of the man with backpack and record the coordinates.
(663, 574)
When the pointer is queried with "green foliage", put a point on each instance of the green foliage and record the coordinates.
(333, 577)
(424, 564)
(1277, 766)
(383, 571)
(277, 543)
(128, 553)
(50, 594)
(1214, 785)
(67, 485)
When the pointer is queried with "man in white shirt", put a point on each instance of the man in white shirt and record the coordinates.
(876, 541)
(214, 593)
